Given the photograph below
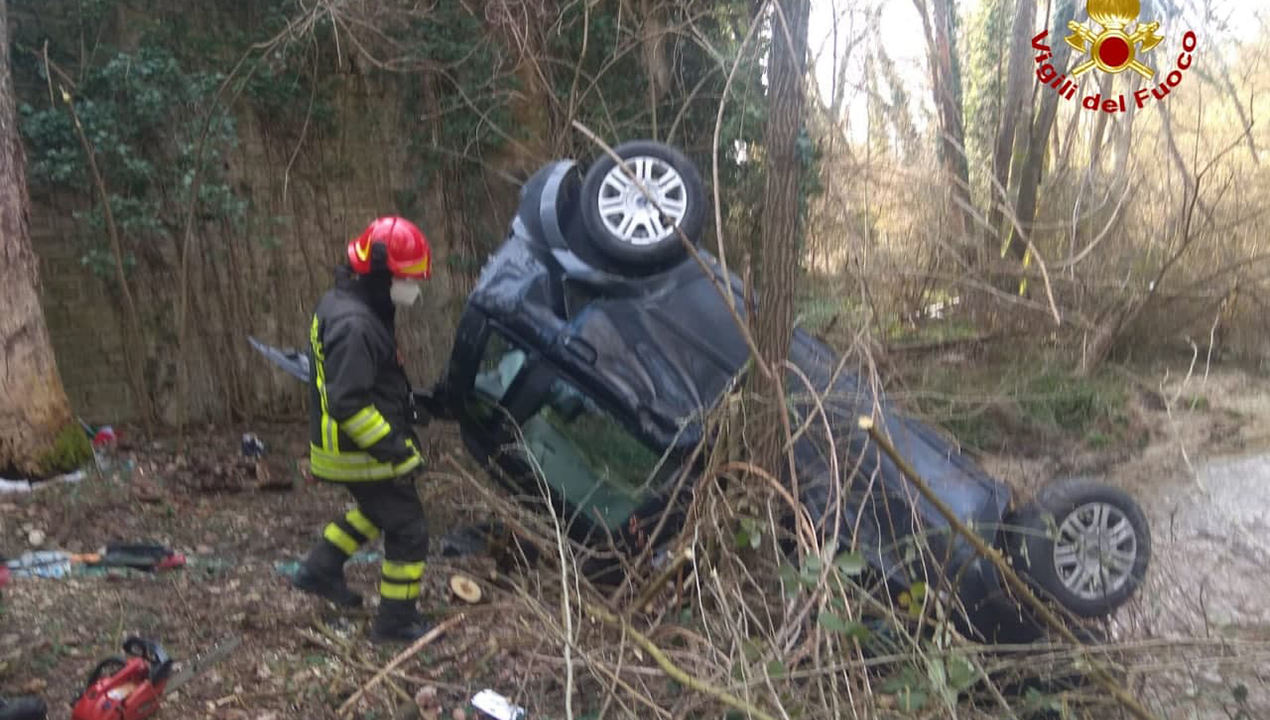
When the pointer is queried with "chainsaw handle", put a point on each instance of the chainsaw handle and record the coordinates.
(153, 653)
(105, 668)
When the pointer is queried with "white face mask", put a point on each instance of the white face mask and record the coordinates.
(404, 292)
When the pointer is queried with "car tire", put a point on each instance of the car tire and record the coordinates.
(619, 221)
(1085, 544)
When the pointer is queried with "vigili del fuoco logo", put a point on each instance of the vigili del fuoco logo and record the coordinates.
(1113, 50)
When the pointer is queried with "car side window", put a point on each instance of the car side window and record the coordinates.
(588, 457)
(500, 364)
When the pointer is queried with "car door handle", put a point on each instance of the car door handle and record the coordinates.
(582, 349)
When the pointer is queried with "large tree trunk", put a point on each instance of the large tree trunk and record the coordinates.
(34, 412)
(1018, 82)
(777, 256)
(941, 45)
(1032, 169)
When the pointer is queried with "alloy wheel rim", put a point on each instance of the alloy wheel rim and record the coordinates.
(1095, 550)
(626, 211)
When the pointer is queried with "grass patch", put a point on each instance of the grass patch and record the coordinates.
(1011, 404)
(1074, 405)
(70, 450)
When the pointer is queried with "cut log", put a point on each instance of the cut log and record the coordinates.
(465, 589)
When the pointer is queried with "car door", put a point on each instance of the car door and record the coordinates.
(545, 437)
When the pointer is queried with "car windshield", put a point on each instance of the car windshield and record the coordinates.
(584, 454)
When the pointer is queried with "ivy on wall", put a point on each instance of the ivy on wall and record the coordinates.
(142, 111)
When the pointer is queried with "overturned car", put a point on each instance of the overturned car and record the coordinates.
(595, 344)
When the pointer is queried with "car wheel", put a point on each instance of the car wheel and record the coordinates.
(623, 225)
(1085, 544)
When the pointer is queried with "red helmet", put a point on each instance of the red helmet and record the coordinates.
(408, 256)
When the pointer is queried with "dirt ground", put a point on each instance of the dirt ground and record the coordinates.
(300, 658)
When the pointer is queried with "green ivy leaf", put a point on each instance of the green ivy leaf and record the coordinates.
(835, 623)
(961, 673)
(850, 564)
(789, 580)
(810, 574)
(776, 669)
(911, 700)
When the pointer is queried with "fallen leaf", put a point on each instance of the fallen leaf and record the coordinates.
(426, 698)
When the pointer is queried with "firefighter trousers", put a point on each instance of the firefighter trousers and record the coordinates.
(390, 508)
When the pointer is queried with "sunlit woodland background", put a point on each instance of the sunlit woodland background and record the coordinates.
(996, 256)
(931, 159)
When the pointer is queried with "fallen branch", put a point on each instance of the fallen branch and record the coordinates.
(673, 670)
(406, 654)
(660, 581)
(1016, 583)
(395, 674)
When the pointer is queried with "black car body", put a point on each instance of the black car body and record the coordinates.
(643, 359)
(583, 370)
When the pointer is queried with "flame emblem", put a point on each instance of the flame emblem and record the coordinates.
(1114, 50)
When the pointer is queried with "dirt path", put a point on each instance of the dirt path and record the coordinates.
(1204, 482)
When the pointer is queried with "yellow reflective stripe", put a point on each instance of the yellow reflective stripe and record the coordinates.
(358, 422)
(367, 427)
(408, 465)
(394, 591)
(377, 434)
(419, 267)
(347, 459)
(367, 473)
(356, 465)
(340, 539)
(330, 434)
(362, 524)
(402, 572)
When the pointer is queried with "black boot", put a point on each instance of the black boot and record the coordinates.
(25, 708)
(322, 574)
(398, 621)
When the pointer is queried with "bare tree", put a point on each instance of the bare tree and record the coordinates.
(35, 411)
(939, 25)
(777, 256)
(1016, 102)
(1032, 169)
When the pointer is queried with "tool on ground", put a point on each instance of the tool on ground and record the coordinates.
(130, 687)
(141, 556)
(46, 563)
(23, 708)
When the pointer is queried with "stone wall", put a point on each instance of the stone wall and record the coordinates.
(86, 332)
(313, 203)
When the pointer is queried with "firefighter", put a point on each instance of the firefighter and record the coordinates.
(360, 426)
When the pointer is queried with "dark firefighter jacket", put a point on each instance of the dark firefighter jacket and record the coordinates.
(359, 427)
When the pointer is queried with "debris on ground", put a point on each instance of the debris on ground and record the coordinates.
(26, 486)
(465, 589)
(60, 564)
(496, 706)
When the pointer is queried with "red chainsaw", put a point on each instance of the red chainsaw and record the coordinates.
(129, 687)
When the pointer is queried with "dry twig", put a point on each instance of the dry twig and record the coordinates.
(406, 654)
